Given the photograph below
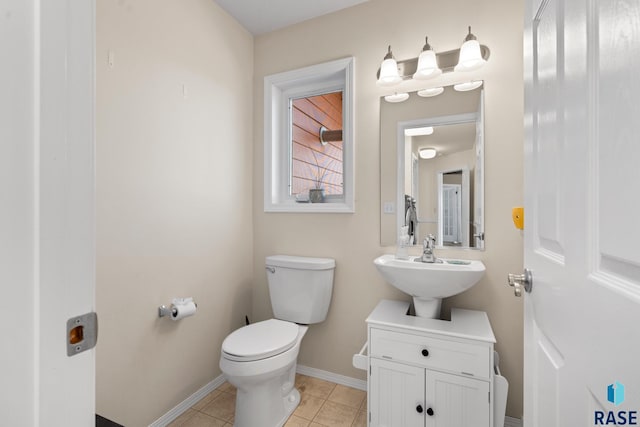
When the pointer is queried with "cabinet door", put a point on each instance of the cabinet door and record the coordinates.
(456, 401)
(396, 395)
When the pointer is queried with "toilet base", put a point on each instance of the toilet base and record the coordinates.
(265, 407)
(291, 402)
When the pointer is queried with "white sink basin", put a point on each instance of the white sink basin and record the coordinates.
(428, 283)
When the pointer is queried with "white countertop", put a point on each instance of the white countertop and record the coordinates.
(470, 324)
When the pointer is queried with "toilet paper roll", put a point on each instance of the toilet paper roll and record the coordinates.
(183, 307)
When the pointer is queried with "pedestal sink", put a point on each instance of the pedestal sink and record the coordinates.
(428, 283)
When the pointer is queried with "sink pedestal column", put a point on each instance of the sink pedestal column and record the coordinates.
(427, 307)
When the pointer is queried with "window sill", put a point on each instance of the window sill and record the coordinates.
(293, 207)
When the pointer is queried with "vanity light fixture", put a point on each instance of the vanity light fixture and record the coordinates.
(470, 56)
(425, 130)
(397, 97)
(389, 75)
(427, 93)
(467, 86)
(430, 64)
(428, 153)
(427, 63)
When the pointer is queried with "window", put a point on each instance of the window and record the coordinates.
(316, 145)
(309, 139)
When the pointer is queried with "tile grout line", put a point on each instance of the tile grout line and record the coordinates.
(324, 402)
(211, 416)
(337, 403)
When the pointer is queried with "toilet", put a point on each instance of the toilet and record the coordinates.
(260, 359)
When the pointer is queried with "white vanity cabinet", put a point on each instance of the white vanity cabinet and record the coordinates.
(429, 372)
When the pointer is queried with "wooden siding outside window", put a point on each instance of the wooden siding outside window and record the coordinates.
(312, 164)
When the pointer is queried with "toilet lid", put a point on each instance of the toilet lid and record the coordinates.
(260, 340)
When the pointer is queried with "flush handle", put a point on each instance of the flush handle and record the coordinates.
(521, 281)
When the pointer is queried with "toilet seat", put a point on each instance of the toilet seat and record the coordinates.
(260, 340)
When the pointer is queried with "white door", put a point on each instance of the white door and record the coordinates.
(465, 192)
(450, 216)
(47, 210)
(582, 237)
(396, 394)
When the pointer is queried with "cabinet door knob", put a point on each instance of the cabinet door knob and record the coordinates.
(419, 409)
(425, 352)
(430, 412)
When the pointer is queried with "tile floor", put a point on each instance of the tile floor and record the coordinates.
(323, 404)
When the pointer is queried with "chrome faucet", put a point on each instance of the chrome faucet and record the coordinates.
(427, 249)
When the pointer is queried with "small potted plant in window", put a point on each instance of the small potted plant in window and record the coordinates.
(316, 194)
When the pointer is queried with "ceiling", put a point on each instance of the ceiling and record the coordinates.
(260, 16)
(448, 139)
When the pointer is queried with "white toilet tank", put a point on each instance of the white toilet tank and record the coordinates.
(300, 287)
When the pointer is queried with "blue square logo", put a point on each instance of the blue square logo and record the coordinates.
(615, 393)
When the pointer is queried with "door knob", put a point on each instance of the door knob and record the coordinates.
(520, 281)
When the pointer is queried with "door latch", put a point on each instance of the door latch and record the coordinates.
(82, 333)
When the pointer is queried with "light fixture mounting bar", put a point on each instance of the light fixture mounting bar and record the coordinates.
(446, 60)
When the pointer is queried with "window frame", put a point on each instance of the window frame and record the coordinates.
(279, 89)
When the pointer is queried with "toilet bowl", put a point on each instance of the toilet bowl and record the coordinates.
(264, 377)
(260, 359)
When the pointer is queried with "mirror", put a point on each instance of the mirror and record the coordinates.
(442, 195)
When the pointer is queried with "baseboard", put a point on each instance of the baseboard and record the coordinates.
(512, 422)
(188, 402)
(334, 378)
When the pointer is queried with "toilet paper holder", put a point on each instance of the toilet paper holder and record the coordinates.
(172, 310)
(163, 310)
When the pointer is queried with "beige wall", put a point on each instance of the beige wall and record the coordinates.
(174, 209)
(353, 240)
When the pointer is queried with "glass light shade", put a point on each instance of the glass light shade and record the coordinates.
(470, 56)
(427, 153)
(397, 97)
(389, 75)
(427, 66)
(425, 130)
(434, 91)
(467, 86)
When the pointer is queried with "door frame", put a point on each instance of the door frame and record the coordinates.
(463, 226)
(50, 210)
